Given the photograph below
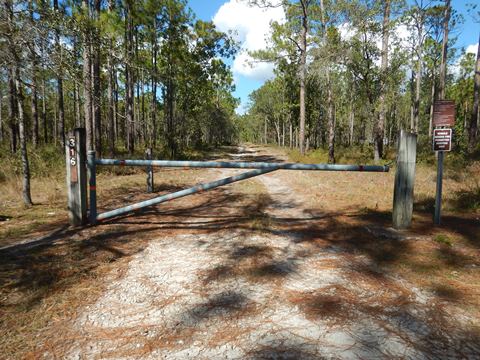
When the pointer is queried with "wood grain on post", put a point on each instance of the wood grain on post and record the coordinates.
(75, 149)
(404, 180)
(148, 155)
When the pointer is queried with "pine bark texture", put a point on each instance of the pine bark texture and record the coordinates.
(87, 81)
(380, 125)
(61, 105)
(443, 64)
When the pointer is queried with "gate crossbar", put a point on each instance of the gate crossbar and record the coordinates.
(259, 169)
(242, 165)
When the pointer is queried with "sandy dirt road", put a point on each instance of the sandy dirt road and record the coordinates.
(277, 289)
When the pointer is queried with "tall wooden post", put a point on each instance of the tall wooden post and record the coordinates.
(404, 180)
(75, 150)
(148, 156)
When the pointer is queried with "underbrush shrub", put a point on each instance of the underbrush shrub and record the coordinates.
(47, 161)
(467, 200)
(355, 154)
(424, 203)
(44, 161)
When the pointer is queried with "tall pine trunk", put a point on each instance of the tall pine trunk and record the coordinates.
(303, 70)
(111, 122)
(129, 96)
(432, 102)
(27, 198)
(473, 131)
(115, 105)
(77, 102)
(418, 76)
(61, 106)
(142, 112)
(352, 123)
(443, 64)
(76, 90)
(87, 81)
(154, 84)
(380, 124)
(12, 111)
(110, 101)
(17, 95)
(34, 111)
(330, 112)
(44, 124)
(33, 96)
(290, 143)
(331, 122)
(97, 100)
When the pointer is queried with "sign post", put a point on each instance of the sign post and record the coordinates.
(443, 118)
(442, 139)
(76, 177)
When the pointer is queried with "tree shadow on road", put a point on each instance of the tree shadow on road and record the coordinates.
(31, 275)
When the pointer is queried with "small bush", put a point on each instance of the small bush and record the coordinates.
(424, 203)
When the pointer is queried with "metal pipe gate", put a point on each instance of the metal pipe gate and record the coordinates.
(259, 169)
(73, 166)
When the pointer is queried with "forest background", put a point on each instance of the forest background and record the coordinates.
(348, 75)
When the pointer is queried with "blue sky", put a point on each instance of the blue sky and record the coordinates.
(252, 25)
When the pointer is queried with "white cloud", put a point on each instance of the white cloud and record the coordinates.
(346, 31)
(246, 66)
(402, 34)
(455, 68)
(472, 49)
(251, 26)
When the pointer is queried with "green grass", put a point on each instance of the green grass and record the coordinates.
(443, 239)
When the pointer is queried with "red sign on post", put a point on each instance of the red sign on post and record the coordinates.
(444, 113)
(442, 139)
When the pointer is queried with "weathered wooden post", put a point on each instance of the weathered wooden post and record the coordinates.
(148, 156)
(76, 176)
(404, 180)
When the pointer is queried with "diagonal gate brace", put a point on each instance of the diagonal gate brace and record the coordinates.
(178, 194)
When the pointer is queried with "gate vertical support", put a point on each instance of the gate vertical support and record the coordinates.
(92, 183)
(404, 180)
(76, 177)
(148, 156)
